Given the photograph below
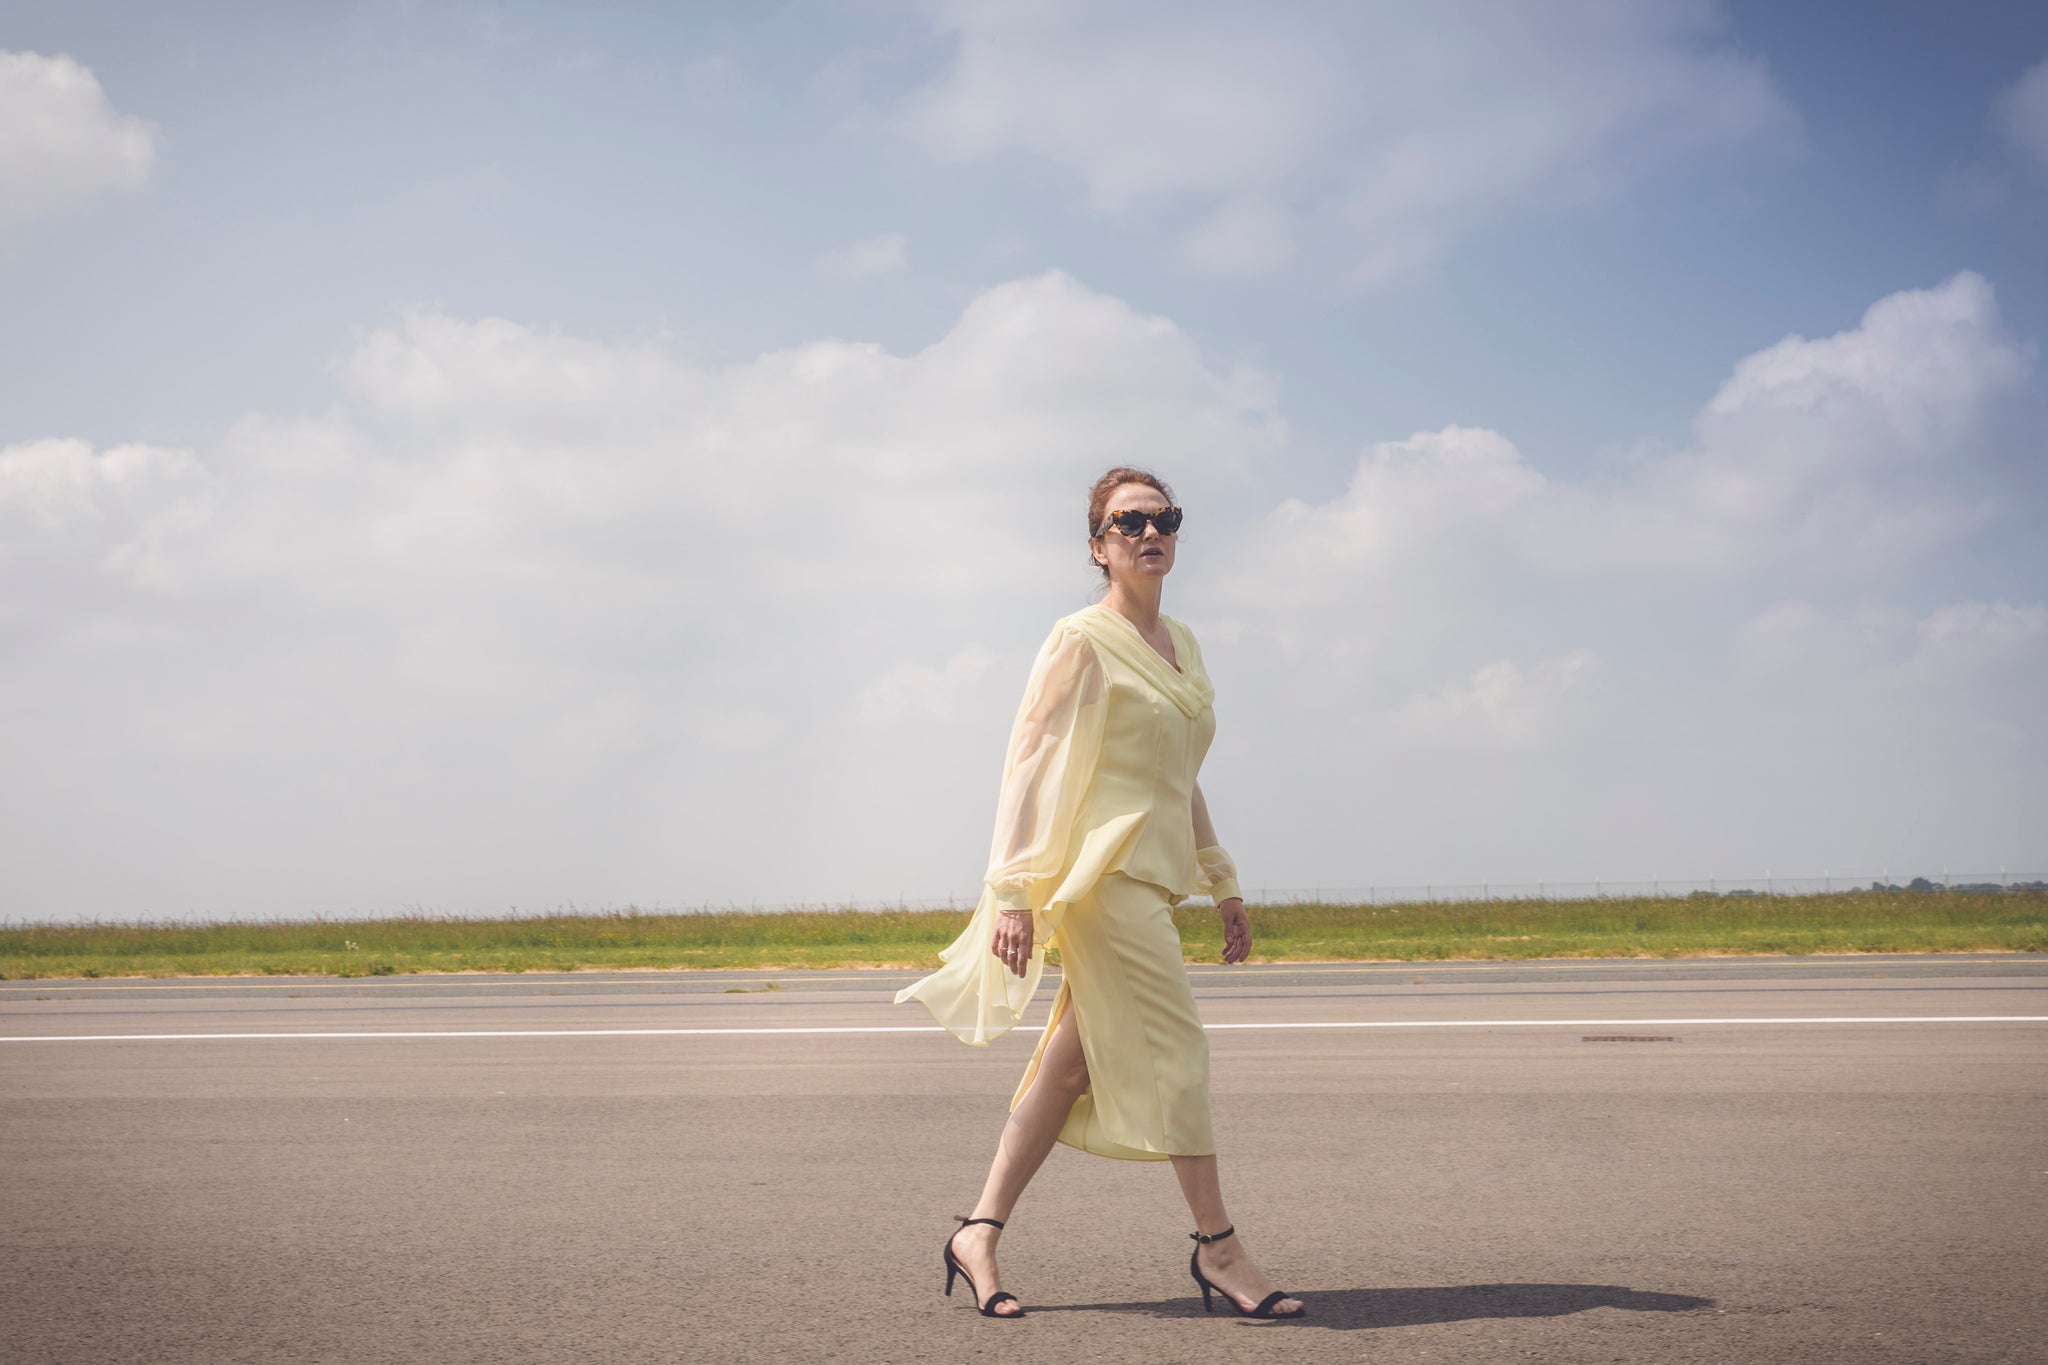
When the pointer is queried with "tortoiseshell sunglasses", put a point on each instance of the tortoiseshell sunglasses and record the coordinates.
(1132, 523)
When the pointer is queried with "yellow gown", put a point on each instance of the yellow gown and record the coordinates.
(1095, 835)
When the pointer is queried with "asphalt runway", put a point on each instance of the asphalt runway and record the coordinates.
(738, 1166)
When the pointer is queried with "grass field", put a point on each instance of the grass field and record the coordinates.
(1846, 922)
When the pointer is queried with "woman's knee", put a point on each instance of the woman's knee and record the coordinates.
(1071, 1075)
(1065, 1067)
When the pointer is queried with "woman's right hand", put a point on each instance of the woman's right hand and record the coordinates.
(1013, 940)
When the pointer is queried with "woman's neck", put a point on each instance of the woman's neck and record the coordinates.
(1137, 602)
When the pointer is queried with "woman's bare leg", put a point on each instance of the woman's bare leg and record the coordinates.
(1028, 1137)
(1227, 1264)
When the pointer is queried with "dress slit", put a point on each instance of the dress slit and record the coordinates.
(1147, 1097)
(1062, 1001)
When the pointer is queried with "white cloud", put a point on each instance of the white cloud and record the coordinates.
(1505, 704)
(2021, 112)
(53, 481)
(920, 692)
(1855, 450)
(1843, 459)
(60, 141)
(868, 259)
(1979, 632)
(1880, 640)
(1900, 713)
(1470, 651)
(71, 516)
(1919, 362)
(531, 618)
(1843, 456)
(1387, 130)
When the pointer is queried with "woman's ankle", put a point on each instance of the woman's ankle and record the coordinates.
(1223, 1254)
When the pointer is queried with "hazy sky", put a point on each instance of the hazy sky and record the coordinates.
(468, 455)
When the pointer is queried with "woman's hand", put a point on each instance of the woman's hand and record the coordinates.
(1237, 930)
(1012, 941)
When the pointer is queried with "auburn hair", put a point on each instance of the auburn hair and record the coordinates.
(1098, 501)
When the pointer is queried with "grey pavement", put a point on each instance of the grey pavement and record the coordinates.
(1453, 1188)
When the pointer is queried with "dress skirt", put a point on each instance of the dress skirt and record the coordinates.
(1148, 1059)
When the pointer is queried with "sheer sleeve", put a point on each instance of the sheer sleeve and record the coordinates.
(1218, 873)
(1054, 746)
(1047, 771)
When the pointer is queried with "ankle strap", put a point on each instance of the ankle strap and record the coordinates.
(1206, 1238)
(970, 1222)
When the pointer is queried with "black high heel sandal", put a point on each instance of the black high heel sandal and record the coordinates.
(1265, 1308)
(953, 1267)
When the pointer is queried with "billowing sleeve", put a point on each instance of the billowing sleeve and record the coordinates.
(1054, 747)
(1055, 743)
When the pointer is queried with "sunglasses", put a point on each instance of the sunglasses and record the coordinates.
(1132, 524)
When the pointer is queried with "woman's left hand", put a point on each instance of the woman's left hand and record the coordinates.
(1237, 930)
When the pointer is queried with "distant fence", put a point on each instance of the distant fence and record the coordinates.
(1766, 885)
(1412, 894)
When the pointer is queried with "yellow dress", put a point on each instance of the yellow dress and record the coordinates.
(1095, 835)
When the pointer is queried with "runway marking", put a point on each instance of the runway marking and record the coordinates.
(934, 1028)
(1607, 1023)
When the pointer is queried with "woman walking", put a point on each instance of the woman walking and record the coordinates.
(1100, 831)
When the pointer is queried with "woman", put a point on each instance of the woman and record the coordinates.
(1100, 831)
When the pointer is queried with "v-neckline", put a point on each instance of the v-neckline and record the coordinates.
(1167, 621)
(1185, 685)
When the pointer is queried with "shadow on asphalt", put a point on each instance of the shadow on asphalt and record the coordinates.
(1354, 1308)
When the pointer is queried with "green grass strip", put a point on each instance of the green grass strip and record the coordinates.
(1699, 925)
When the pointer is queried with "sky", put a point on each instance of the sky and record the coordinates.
(463, 456)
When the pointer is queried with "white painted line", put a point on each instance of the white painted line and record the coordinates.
(468, 1033)
(934, 1028)
(1603, 1023)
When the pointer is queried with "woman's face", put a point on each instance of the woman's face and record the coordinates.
(1149, 555)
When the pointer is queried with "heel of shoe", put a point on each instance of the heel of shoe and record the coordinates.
(1195, 1269)
(952, 1271)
